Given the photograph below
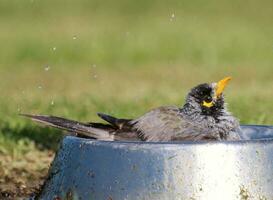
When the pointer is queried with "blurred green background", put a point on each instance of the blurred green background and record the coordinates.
(124, 57)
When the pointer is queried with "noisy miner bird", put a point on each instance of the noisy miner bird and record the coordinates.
(204, 116)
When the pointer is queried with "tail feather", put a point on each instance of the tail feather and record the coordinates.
(118, 123)
(96, 131)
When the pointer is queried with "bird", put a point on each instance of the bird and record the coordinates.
(204, 116)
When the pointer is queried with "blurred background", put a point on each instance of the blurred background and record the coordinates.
(76, 58)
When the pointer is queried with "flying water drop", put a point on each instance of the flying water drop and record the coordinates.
(172, 17)
(47, 68)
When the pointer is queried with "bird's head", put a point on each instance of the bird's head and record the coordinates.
(208, 97)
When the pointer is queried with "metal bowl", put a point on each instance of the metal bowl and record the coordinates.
(99, 170)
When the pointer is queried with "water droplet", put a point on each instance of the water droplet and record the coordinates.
(47, 67)
(54, 48)
(172, 17)
(74, 37)
(40, 87)
(52, 103)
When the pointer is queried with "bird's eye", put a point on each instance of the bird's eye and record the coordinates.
(208, 99)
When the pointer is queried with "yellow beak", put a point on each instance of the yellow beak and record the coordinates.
(221, 86)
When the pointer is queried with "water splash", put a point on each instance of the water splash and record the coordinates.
(95, 76)
(172, 18)
(47, 68)
(19, 109)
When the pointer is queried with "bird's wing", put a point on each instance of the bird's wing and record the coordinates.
(167, 123)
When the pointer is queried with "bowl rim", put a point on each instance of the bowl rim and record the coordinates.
(177, 143)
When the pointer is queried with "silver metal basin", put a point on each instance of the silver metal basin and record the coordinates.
(97, 170)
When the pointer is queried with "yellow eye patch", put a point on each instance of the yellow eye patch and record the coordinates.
(207, 104)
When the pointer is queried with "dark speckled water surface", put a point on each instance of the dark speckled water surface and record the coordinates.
(88, 169)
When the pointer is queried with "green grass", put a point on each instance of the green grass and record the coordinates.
(126, 57)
